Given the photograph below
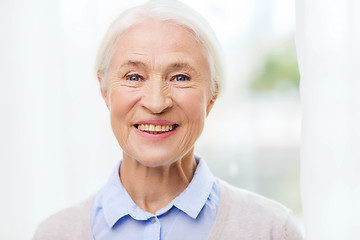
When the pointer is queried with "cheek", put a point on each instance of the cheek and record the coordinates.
(122, 101)
(193, 105)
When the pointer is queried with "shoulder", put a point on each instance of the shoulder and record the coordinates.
(70, 223)
(240, 199)
(253, 216)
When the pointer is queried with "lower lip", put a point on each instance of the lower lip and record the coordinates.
(155, 137)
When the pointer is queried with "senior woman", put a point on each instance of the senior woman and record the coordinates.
(160, 73)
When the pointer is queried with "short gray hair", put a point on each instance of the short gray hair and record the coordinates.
(165, 10)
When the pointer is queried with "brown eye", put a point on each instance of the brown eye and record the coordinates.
(181, 78)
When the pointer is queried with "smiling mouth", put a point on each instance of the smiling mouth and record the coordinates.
(156, 129)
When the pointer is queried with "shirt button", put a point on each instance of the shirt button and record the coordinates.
(153, 220)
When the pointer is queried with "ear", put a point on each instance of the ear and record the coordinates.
(210, 105)
(104, 92)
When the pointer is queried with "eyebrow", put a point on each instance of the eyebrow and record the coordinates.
(132, 64)
(172, 66)
(181, 65)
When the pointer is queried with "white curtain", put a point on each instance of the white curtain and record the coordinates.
(328, 39)
(53, 122)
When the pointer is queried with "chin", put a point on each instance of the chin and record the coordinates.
(155, 161)
(155, 158)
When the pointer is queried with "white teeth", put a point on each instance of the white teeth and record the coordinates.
(155, 129)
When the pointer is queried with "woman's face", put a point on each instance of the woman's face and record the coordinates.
(158, 92)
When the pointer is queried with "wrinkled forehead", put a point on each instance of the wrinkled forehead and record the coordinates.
(158, 20)
(160, 39)
(152, 28)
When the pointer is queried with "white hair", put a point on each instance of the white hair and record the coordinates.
(164, 10)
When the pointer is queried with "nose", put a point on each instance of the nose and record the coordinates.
(156, 96)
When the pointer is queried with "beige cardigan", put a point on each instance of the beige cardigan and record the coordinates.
(242, 215)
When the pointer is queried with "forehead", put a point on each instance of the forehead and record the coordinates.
(161, 41)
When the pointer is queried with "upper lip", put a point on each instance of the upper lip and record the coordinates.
(155, 122)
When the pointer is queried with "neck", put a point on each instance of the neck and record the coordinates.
(152, 188)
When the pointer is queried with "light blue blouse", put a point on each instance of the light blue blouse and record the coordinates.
(189, 216)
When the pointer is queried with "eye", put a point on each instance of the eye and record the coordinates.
(181, 78)
(134, 77)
